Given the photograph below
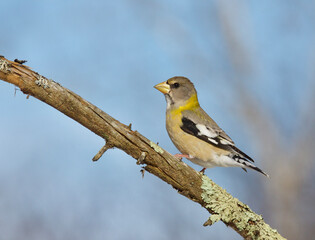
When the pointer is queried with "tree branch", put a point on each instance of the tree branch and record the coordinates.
(184, 179)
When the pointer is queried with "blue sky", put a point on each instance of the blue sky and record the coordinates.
(112, 53)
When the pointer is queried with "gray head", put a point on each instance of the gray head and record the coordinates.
(177, 91)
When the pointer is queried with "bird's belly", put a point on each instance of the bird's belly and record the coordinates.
(200, 152)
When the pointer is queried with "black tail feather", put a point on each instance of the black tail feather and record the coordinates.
(258, 170)
(246, 157)
(248, 164)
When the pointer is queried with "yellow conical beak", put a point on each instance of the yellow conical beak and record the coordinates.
(163, 87)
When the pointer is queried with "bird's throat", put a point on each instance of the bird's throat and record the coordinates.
(189, 104)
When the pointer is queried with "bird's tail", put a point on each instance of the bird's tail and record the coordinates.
(248, 164)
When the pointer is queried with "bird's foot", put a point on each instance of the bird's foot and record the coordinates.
(203, 170)
(180, 156)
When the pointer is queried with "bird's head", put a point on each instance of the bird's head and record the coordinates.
(178, 91)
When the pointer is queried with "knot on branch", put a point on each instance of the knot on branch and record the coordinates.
(141, 158)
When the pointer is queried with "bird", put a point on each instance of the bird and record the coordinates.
(194, 133)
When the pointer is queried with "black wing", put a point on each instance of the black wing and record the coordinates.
(208, 135)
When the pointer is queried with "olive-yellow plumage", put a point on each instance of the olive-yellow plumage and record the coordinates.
(194, 132)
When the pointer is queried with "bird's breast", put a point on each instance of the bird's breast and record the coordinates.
(189, 144)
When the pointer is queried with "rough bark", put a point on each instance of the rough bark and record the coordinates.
(188, 182)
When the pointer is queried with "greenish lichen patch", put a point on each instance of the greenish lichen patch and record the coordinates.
(214, 218)
(156, 147)
(230, 210)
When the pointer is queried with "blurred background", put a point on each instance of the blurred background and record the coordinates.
(252, 63)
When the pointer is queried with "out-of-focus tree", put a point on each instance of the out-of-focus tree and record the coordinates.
(288, 157)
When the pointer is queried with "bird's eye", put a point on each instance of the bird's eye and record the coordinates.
(176, 85)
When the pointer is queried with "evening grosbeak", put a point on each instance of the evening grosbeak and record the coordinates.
(194, 133)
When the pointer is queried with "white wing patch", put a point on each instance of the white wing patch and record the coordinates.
(211, 135)
(204, 131)
(225, 142)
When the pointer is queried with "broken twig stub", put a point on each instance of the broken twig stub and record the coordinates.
(102, 151)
